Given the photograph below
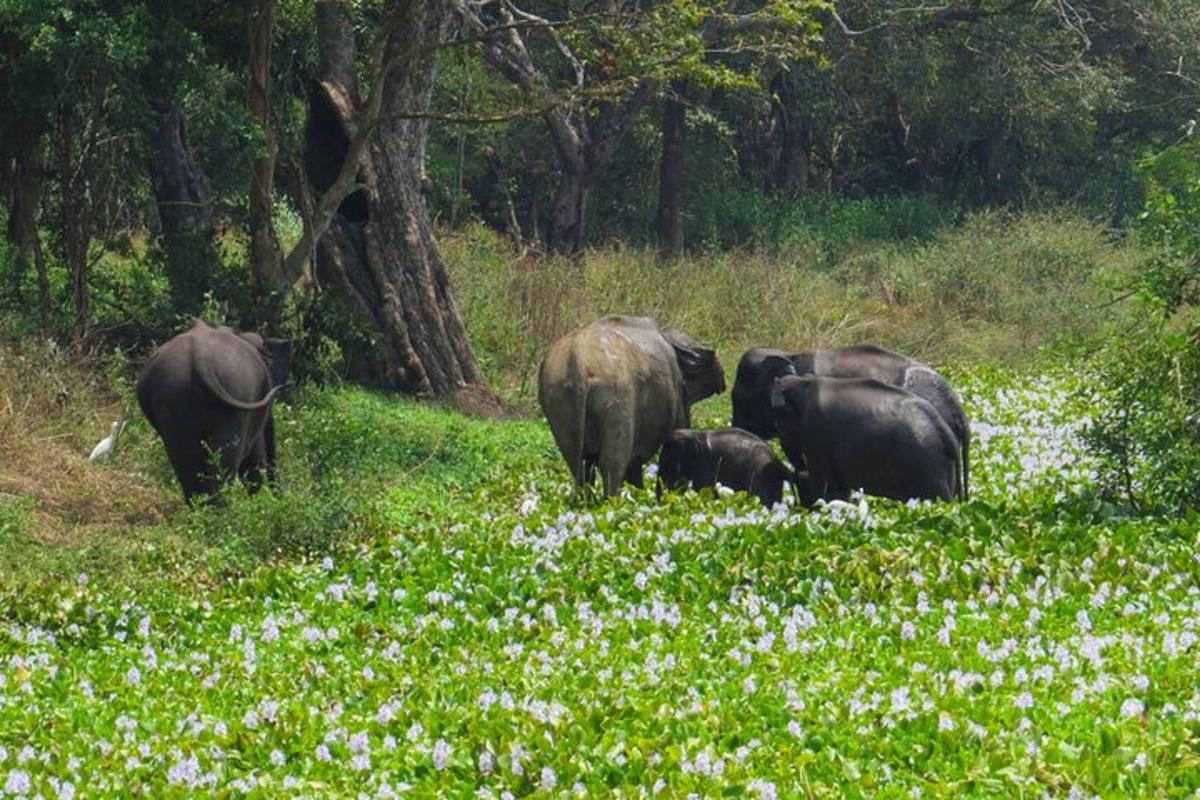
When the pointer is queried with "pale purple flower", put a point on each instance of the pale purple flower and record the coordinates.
(441, 752)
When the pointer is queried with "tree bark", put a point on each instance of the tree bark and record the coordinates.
(568, 217)
(182, 197)
(266, 257)
(75, 216)
(380, 255)
(26, 174)
(672, 175)
(793, 161)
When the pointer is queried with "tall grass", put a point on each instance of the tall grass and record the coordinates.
(994, 289)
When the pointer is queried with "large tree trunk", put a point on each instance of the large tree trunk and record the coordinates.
(182, 196)
(75, 216)
(672, 175)
(379, 252)
(25, 176)
(266, 257)
(793, 161)
(568, 217)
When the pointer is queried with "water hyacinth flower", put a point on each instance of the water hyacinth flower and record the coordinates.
(441, 754)
(1132, 707)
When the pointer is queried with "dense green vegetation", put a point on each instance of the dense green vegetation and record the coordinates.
(422, 606)
(474, 628)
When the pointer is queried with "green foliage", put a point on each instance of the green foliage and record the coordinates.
(490, 620)
(1146, 389)
(994, 290)
(1147, 380)
(827, 228)
(1170, 224)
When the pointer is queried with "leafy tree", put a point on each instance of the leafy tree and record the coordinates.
(591, 69)
(1147, 433)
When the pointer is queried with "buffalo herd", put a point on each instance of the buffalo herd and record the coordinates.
(616, 393)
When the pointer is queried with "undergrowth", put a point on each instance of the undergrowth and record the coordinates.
(994, 290)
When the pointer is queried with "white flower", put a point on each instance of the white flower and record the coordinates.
(945, 722)
(1023, 701)
(323, 753)
(133, 677)
(765, 789)
(908, 631)
(17, 783)
(184, 772)
(1132, 707)
(487, 761)
(441, 752)
(415, 731)
(548, 779)
(277, 758)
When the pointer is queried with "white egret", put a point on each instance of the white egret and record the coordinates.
(108, 443)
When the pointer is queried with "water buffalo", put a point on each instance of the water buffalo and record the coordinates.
(208, 393)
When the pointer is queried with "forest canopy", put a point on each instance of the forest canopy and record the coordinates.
(285, 164)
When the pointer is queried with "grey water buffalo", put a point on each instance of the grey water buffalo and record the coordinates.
(855, 433)
(614, 389)
(729, 456)
(208, 392)
(761, 366)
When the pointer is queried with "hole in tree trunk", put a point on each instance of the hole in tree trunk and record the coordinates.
(325, 146)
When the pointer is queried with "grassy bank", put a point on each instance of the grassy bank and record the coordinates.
(994, 290)
(991, 291)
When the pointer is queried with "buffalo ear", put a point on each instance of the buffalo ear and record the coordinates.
(778, 366)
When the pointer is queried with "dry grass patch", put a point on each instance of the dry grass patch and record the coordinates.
(54, 407)
(994, 290)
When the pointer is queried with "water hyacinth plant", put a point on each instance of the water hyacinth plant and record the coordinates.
(511, 642)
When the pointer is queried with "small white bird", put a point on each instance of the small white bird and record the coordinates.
(108, 443)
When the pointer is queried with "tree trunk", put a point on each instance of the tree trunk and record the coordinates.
(793, 162)
(266, 257)
(379, 252)
(672, 176)
(25, 178)
(568, 217)
(182, 196)
(75, 210)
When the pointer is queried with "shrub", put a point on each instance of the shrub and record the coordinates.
(995, 289)
(1147, 432)
(1147, 418)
